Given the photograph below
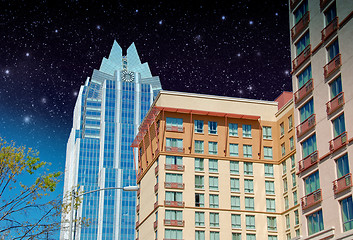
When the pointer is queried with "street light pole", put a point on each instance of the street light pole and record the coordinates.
(74, 196)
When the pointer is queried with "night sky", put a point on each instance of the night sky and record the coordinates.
(47, 50)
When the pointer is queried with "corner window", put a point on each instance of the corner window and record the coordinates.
(174, 124)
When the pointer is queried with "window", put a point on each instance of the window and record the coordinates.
(250, 236)
(236, 221)
(271, 224)
(304, 76)
(284, 167)
(268, 170)
(199, 182)
(198, 126)
(174, 196)
(333, 50)
(173, 178)
(199, 200)
(212, 148)
(271, 237)
(270, 205)
(214, 235)
(173, 215)
(247, 151)
(213, 183)
(246, 130)
(234, 167)
(296, 216)
(315, 222)
(283, 149)
(270, 187)
(294, 179)
(213, 165)
(236, 236)
(342, 166)
(309, 146)
(235, 202)
(300, 12)
(267, 132)
(214, 219)
(199, 164)
(268, 153)
(286, 203)
(297, 232)
(285, 185)
(250, 221)
(306, 111)
(338, 125)
(199, 235)
(295, 197)
(173, 234)
(330, 14)
(199, 219)
(214, 201)
(287, 221)
(198, 146)
(174, 160)
(233, 149)
(248, 168)
(289, 237)
(290, 122)
(302, 43)
(312, 183)
(233, 129)
(292, 160)
(174, 143)
(347, 213)
(291, 143)
(281, 126)
(336, 87)
(234, 185)
(174, 124)
(249, 203)
(212, 127)
(248, 185)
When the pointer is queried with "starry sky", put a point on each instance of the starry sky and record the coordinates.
(49, 48)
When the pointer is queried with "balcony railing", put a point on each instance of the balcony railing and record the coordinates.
(155, 224)
(338, 142)
(175, 128)
(156, 187)
(329, 29)
(156, 169)
(342, 183)
(304, 55)
(155, 204)
(138, 192)
(304, 91)
(137, 224)
(335, 103)
(174, 167)
(333, 65)
(323, 3)
(175, 223)
(174, 185)
(138, 208)
(174, 203)
(293, 3)
(308, 161)
(301, 25)
(311, 199)
(174, 149)
(306, 125)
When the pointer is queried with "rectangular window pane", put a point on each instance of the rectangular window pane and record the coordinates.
(270, 205)
(233, 150)
(198, 126)
(199, 146)
(212, 127)
(247, 151)
(199, 182)
(234, 167)
(271, 224)
(214, 201)
(347, 213)
(268, 153)
(267, 132)
(235, 202)
(248, 186)
(249, 203)
(248, 168)
(233, 129)
(234, 185)
(236, 221)
(199, 200)
(213, 148)
(315, 222)
(270, 187)
(250, 221)
(309, 146)
(268, 170)
(199, 164)
(213, 165)
(199, 219)
(213, 183)
(246, 130)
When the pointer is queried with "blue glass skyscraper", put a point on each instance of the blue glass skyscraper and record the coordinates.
(108, 111)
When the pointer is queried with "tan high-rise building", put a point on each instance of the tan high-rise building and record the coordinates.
(212, 167)
(322, 76)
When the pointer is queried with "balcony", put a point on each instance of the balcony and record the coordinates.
(156, 169)
(174, 203)
(338, 142)
(342, 183)
(174, 128)
(174, 167)
(311, 199)
(173, 185)
(137, 224)
(174, 149)
(306, 125)
(329, 29)
(138, 192)
(293, 3)
(332, 66)
(304, 55)
(175, 223)
(323, 3)
(155, 224)
(304, 91)
(335, 103)
(155, 204)
(138, 208)
(309, 161)
(156, 187)
(301, 25)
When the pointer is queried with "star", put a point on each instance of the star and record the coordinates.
(98, 27)
(7, 71)
(251, 22)
(56, 31)
(160, 22)
(27, 54)
(223, 17)
(136, 10)
(43, 100)
(27, 119)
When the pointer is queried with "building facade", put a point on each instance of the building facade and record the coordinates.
(322, 68)
(212, 167)
(109, 109)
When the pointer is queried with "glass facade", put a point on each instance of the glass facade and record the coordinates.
(109, 109)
